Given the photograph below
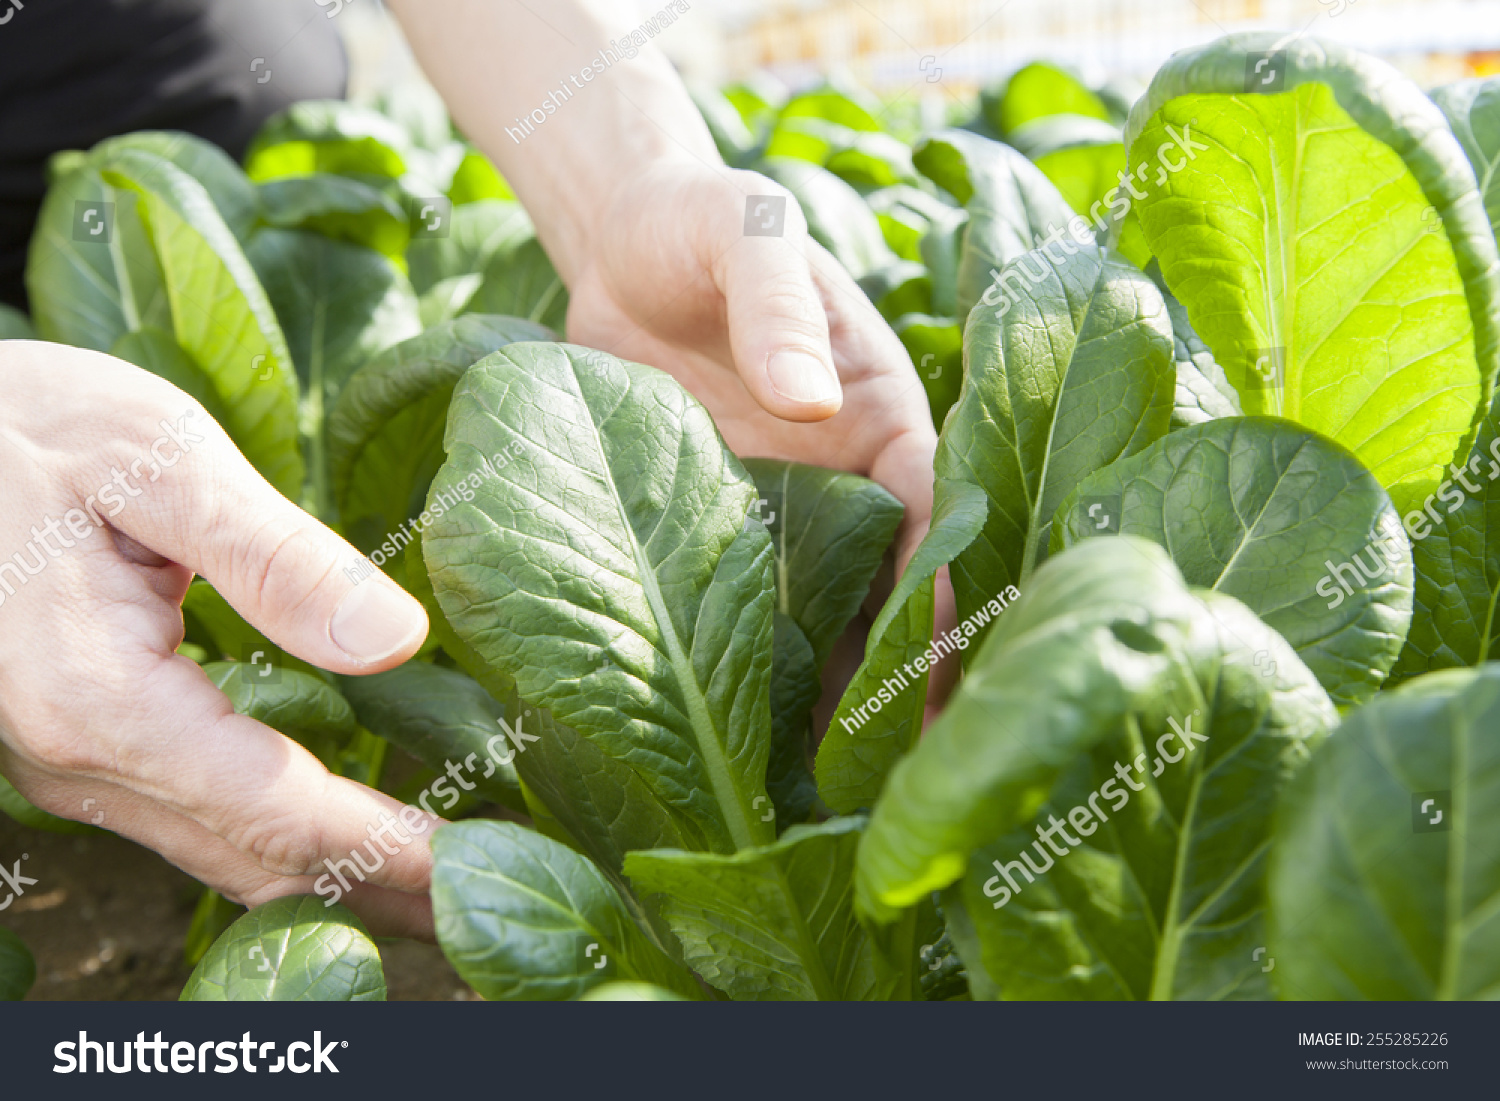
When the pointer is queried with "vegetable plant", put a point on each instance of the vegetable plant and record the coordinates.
(1214, 493)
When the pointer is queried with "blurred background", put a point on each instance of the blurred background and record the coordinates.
(937, 53)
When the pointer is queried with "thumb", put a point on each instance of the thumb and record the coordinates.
(301, 585)
(778, 328)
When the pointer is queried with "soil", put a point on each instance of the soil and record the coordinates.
(107, 919)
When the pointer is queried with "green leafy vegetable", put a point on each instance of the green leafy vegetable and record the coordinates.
(17, 968)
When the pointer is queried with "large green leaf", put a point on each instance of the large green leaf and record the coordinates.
(303, 707)
(521, 917)
(1036, 91)
(1278, 517)
(295, 949)
(879, 717)
(441, 717)
(1142, 874)
(1472, 108)
(617, 531)
(1072, 371)
(158, 352)
(17, 968)
(1096, 637)
(774, 923)
(1012, 206)
(1203, 390)
(1456, 550)
(795, 688)
(1385, 873)
(596, 802)
(1330, 246)
(220, 316)
(385, 434)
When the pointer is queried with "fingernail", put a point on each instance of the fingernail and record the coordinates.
(373, 622)
(800, 377)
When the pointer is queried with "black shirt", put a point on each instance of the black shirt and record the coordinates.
(73, 72)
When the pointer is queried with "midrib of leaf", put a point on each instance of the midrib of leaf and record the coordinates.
(807, 944)
(128, 306)
(1034, 508)
(726, 792)
(1281, 281)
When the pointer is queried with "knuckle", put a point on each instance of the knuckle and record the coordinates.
(280, 845)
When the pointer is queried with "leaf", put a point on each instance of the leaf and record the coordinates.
(385, 433)
(1035, 91)
(520, 281)
(328, 136)
(1330, 247)
(233, 195)
(476, 179)
(220, 316)
(1097, 636)
(477, 231)
(441, 717)
(618, 531)
(300, 706)
(341, 304)
(521, 917)
(1012, 206)
(1147, 881)
(14, 325)
(1283, 520)
(338, 208)
(17, 968)
(211, 916)
(214, 624)
(1456, 554)
(89, 291)
(772, 923)
(295, 949)
(733, 139)
(837, 102)
(600, 804)
(1385, 878)
(837, 218)
(865, 740)
(829, 532)
(1073, 371)
(1472, 108)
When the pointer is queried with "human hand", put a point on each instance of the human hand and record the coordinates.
(94, 702)
(770, 333)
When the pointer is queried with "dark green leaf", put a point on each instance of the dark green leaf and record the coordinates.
(477, 231)
(520, 281)
(339, 208)
(303, 707)
(17, 968)
(295, 949)
(521, 917)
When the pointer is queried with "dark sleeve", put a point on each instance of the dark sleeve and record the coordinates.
(73, 72)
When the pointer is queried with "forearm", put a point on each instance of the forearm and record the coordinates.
(605, 116)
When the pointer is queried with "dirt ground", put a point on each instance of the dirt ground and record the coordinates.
(106, 921)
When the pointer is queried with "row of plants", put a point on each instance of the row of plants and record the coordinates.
(1215, 487)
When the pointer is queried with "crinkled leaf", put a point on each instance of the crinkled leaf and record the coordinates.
(617, 531)
(773, 923)
(521, 917)
(795, 688)
(1385, 872)
(295, 949)
(1278, 517)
